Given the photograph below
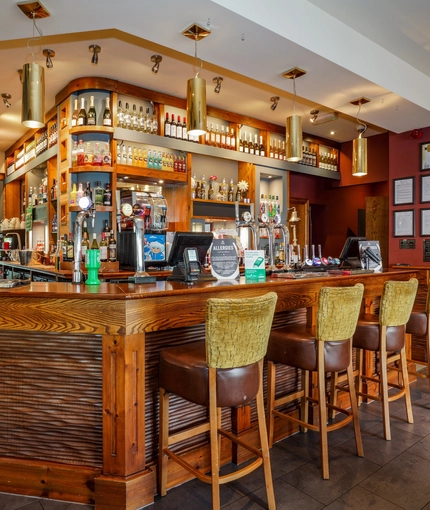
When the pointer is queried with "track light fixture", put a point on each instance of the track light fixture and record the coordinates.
(49, 54)
(275, 101)
(218, 80)
(156, 59)
(318, 118)
(95, 50)
(6, 98)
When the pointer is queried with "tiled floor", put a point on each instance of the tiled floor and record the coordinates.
(392, 475)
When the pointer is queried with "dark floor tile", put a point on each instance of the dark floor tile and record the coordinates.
(13, 501)
(358, 499)
(77, 506)
(421, 448)
(367, 418)
(33, 506)
(379, 450)
(421, 425)
(52, 504)
(403, 481)
(246, 503)
(288, 497)
(346, 471)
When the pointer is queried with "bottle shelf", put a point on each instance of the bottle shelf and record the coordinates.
(83, 169)
(81, 130)
(207, 201)
(99, 208)
(150, 173)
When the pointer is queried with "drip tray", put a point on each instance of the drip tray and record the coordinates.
(8, 284)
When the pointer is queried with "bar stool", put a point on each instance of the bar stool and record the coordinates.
(224, 371)
(326, 347)
(385, 335)
(419, 324)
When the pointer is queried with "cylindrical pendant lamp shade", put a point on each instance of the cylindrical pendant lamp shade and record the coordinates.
(33, 96)
(196, 106)
(294, 138)
(359, 156)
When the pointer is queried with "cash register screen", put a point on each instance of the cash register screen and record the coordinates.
(350, 254)
(199, 240)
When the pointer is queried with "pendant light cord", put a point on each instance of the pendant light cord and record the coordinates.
(361, 122)
(195, 54)
(34, 38)
(294, 88)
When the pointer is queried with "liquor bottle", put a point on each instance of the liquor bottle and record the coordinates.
(276, 150)
(251, 145)
(85, 225)
(241, 143)
(127, 117)
(230, 195)
(283, 154)
(107, 156)
(75, 114)
(271, 149)
(70, 248)
(79, 193)
(173, 127)
(120, 115)
(130, 155)
(85, 245)
(64, 248)
(212, 138)
(54, 224)
(82, 116)
(207, 135)
(227, 139)
(53, 190)
(224, 190)
(211, 191)
(262, 151)
(73, 194)
(75, 154)
(179, 129)
(91, 115)
(98, 194)
(184, 129)
(154, 124)
(203, 188)
(256, 146)
(112, 247)
(103, 247)
(167, 125)
(232, 140)
(193, 186)
(80, 157)
(87, 193)
(94, 244)
(107, 196)
(245, 144)
(97, 156)
(88, 155)
(134, 119)
(107, 114)
(197, 190)
(217, 137)
(141, 119)
(334, 162)
(238, 195)
(223, 138)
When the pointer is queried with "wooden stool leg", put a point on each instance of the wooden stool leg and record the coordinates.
(164, 441)
(304, 406)
(264, 444)
(322, 406)
(354, 409)
(405, 377)
(333, 393)
(359, 379)
(428, 348)
(213, 427)
(270, 420)
(384, 381)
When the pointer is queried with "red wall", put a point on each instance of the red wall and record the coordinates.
(405, 161)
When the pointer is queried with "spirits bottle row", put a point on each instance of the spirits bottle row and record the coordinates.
(42, 143)
(178, 129)
(107, 245)
(91, 155)
(270, 205)
(224, 138)
(151, 158)
(53, 135)
(99, 195)
(251, 147)
(137, 120)
(225, 193)
(88, 117)
(328, 162)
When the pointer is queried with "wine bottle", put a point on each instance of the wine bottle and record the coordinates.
(232, 140)
(230, 196)
(148, 122)
(271, 149)
(112, 247)
(217, 137)
(127, 117)
(256, 146)
(227, 139)
(251, 145)
(154, 124)
(134, 119)
(173, 127)
(107, 199)
(184, 129)
(167, 126)
(107, 115)
(245, 145)
(103, 247)
(91, 115)
(98, 194)
(179, 129)
(212, 137)
(85, 245)
(141, 119)
(94, 244)
(82, 116)
(241, 148)
(75, 114)
(70, 248)
(223, 138)
(120, 115)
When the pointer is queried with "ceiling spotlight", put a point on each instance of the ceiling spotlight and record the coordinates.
(317, 119)
(156, 59)
(48, 54)
(6, 98)
(275, 101)
(218, 80)
(95, 50)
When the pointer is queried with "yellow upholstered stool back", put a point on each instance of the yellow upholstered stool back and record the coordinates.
(397, 301)
(338, 311)
(237, 330)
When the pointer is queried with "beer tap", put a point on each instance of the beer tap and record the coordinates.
(285, 239)
(247, 221)
(264, 222)
(87, 210)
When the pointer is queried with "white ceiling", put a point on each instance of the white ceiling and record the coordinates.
(377, 49)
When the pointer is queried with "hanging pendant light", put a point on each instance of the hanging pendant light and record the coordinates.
(33, 75)
(294, 134)
(359, 145)
(196, 88)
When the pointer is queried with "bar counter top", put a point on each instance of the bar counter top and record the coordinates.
(79, 377)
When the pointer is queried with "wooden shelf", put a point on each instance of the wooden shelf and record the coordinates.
(151, 174)
(99, 208)
(206, 201)
(81, 130)
(83, 169)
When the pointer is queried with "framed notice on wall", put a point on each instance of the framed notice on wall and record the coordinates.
(425, 189)
(425, 156)
(404, 225)
(425, 222)
(403, 192)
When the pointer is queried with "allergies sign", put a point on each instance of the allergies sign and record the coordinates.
(224, 259)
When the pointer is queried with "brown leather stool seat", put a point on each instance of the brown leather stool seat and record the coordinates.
(184, 371)
(325, 347)
(226, 370)
(384, 334)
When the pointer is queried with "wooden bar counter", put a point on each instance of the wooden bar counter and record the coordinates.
(79, 374)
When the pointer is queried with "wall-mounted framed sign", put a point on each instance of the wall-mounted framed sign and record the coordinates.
(425, 156)
(404, 223)
(403, 192)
